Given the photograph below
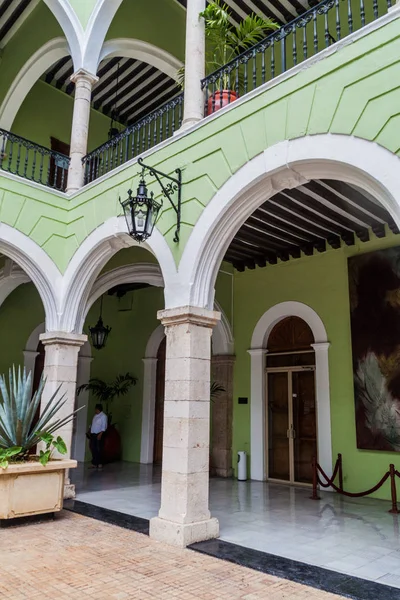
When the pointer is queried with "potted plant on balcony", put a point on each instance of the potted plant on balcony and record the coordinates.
(30, 484)
(106, 393)
(225, 42)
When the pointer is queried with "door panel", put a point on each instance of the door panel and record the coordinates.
(304, 423)
(278, 425)
(159, 409)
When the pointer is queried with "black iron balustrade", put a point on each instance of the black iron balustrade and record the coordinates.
(152, 129)
(316, 29)
(32, 161)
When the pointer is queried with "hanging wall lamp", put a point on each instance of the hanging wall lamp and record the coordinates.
(99, 333)
(141, 211)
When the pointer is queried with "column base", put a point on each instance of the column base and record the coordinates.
(218, 472)
(69, 491)
(182, 535)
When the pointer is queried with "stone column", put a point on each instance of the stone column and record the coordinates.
(60, 368)
(222, 415)
(193, 110)
(322, 398)
(184, 516)
(82, 401)
(257, 414)
(84, 82)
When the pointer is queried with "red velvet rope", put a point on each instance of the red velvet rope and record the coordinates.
(350, 494)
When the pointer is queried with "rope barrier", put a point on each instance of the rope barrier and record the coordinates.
(338, 471)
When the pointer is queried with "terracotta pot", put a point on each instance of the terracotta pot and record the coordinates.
(32, 489)
(219, 99)
(112, 448)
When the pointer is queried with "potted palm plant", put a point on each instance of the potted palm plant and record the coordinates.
(106, 392)
(30, 484)
(225, 42)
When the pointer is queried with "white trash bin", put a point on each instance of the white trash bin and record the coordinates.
(242, 465)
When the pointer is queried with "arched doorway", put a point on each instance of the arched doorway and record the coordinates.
(291, 426)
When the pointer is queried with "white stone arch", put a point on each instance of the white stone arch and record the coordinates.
(96, 31)
(287, 164)
(258, 350)
(11, 277)
(140, 50)
(37, 265)
(28, 75)
(83, 375)
(222, 336)
(91, 257)
(71, 26)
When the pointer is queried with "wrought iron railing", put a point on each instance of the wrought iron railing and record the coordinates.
(319, 27)
(152, 129)
(32, 161)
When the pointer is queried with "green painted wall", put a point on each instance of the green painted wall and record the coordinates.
(158, 22)
(52, 110)
(132, 325)
(83, 9)
(40, 27)
(20, 314)
(321, 282)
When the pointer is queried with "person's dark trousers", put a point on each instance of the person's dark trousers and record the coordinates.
(96, 447)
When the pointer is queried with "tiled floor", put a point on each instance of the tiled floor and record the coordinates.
(74, 558)
(356, 537)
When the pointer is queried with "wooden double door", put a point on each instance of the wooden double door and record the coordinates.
(291, 424)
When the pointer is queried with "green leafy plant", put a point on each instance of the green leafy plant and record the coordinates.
(225, 41)
(18, 425)
(106, 392)
(7, 453)
(52, 443)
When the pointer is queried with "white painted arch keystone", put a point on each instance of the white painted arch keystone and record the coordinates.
(287, 164)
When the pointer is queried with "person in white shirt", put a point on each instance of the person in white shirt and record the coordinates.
(97, 430)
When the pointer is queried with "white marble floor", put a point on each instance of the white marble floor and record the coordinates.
(354, 536)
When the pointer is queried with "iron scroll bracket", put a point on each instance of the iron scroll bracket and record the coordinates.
(174, 185)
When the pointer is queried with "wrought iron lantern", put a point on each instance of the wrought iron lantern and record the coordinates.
(141, 211)
(100, 332)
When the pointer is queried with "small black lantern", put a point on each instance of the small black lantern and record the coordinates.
(141, 212)
(99, 333)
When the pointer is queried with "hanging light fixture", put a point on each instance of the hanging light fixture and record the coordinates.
(141, 211)
(99, 333)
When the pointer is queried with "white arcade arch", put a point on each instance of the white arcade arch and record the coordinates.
(287, 164)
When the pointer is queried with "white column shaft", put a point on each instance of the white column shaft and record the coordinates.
(323, 403)
(257, 414)
(148, 411)
(184, 516)
(80, 127)
(82, 401)
(194, 63)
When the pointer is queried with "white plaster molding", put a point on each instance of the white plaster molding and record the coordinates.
(222, 337)
(37, 265)
(259, 343)
(91, 257)
(71, 26)
(96, 31)
(28, 75)
(288, 163)
(10, 280)
(140, 50)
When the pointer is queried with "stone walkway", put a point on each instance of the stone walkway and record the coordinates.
(75, 557)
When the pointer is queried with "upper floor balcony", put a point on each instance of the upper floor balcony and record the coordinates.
(116, 88)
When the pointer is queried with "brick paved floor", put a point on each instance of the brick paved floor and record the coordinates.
(75, 557)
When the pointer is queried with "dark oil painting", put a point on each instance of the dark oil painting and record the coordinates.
(374, 284)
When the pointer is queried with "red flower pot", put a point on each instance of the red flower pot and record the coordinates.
(220, 99)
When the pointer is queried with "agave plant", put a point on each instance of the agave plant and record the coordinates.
(18, 427)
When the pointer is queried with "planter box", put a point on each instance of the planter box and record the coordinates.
(31, 489)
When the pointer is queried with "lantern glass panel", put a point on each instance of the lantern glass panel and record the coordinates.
(140, 216)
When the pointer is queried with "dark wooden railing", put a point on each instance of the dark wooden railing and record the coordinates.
(320, 478)
(154, 128)
(319, 27)
(32, 161)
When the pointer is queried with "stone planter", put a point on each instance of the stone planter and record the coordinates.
(31, 489)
